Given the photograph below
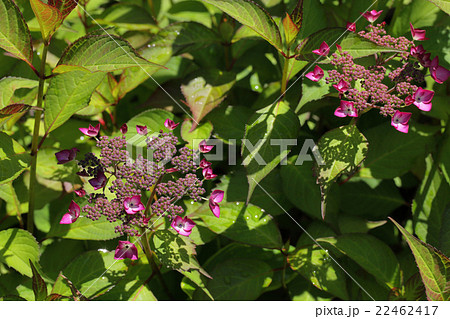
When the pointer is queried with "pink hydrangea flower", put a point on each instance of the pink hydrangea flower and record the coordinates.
(424, 59)
(125, 249)
(124, 128)
(417, 34)
(90, 131)
(351, 26)
(99, 181)
(400, 121)
(208, 173)
(182, 226)
(171, 125)
(80, 192)
(316, 75)
(172, 170)
(417, 51)
(204, 163)
(141, 129)
(409, 100)
(133, 204)
(339, 48)
(214, 200)
(204, 148)
(372, 16)
(66, 156)
(323, 50)
(438, 73)
(342, 86)
(346, 109)
(72, 215)
(422, 99)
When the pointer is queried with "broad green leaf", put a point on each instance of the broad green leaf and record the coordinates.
(420, 13)
(15, 36)
(192, 280)
(8, 194)
(412, 290)
(290, 29)
(49, 18)
(229, 122)
(17, 248)
(204, 93)
(245, 224)
(301, 289)
(103, 96)
(92, 273)
(353, 224)
(371, 254)
(170, 41)
(14, 109)
(342, 150)
(312, 91)
(102, 53)
(434, 267)
(13, 158)
(356, 46)
(194, 137)
(129, 16)
(393, 153)
(235, 187)
(51, 170)
(314, 264)
(176, 251)
(9, 85)
(253, 16)
(300, 187)
(239, 279)
(444, 5)
(273, 257)
(297, 14)
(431, 208)
(261, 150)
(67, 94)
(39, 285)
(360, 199)
(84, 229)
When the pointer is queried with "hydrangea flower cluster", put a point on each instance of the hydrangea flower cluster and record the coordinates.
(382, 87)
(141, 188)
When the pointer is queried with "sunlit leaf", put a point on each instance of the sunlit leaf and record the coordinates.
(13, 158)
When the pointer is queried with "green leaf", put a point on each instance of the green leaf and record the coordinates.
(204, 93)
(176, 251)
(434, 267)
(393, 153)
(15, 36)
(297, 14)
(419, 13)
(355, 45)
(239, 279)
(314, 264)
(102, 53)
(154, 120)
(8, 194)
(13, 158)
(270, 125)
(342, 150)
(290, 29)
(431, 208)
(129, 16)
(175, 39)
(67, 94)
(9, 85)
(39, 286)
(371, 254)
(444, 5)
(49, 18)
(301, 289)
(312, 91)
(253, 16)
(17, 248)
(194, 137)
(245, 224)
(14, 109)
(84, 229)
(229, 122)
(92, 273)
(360, 199)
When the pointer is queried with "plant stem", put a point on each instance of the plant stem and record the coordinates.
(34, 143)
(284, 78)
